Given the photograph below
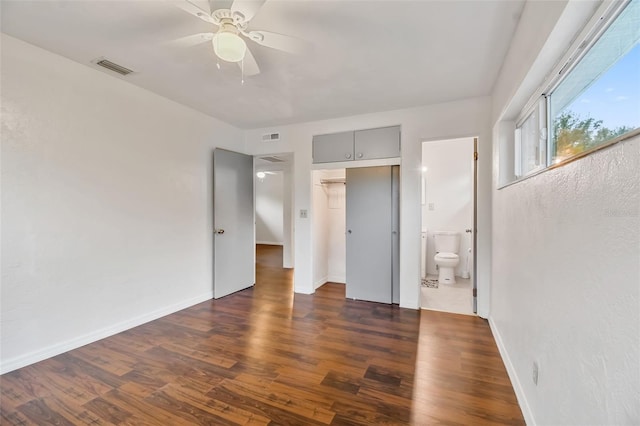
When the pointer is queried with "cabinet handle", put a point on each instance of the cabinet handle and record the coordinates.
(347, 156)
(359, 155)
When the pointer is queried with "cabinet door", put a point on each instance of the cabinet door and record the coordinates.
(377, 143)
(333, 147)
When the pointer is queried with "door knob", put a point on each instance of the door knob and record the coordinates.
(349, 231)
(359, 155)
(347, 156)
(219, 231)
(468, 230)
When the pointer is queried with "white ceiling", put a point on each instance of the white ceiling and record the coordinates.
(367, 56)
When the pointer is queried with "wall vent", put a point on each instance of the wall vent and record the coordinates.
(271, 137)
(111, 66)
(272, 159)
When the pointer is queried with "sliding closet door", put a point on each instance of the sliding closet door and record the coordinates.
(395, 233)
(369, 234)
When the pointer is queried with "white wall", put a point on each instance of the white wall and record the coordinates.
(464, 118)
(449, 191)
(270, 209)
(287, 217)
(566, 257)
(106, 204)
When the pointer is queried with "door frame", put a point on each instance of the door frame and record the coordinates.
(394, 161)
(288, 225)
(474, 189)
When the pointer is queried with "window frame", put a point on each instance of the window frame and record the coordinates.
(539, 111)
(602, 20)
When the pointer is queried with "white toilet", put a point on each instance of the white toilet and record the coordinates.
(447, 245)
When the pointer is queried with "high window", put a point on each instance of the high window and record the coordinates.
(594, 102)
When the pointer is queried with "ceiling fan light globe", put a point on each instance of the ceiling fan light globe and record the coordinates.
(229, 47)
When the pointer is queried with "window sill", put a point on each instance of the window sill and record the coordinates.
(583, 154)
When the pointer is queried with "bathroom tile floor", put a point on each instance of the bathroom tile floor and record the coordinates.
(454, 298)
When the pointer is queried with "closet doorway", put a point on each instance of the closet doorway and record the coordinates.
(356, 231)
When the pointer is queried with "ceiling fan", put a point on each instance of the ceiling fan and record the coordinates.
(232, 19)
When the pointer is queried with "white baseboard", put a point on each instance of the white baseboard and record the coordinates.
(337, 279)
(269, 243)
(511, 371)
(320, 282)
(57, 349)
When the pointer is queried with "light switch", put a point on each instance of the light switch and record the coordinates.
(303, 214)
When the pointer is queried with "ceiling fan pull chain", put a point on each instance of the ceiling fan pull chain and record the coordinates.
(242, 73)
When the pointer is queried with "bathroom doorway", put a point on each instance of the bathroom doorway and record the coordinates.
(448, 205)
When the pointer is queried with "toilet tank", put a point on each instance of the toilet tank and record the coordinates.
(446, 242)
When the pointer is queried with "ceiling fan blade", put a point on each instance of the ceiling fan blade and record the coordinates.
(190, 41)
(194, 10)
(248, 8)
(279, 41)
(249, 65)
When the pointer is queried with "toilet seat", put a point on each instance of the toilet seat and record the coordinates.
(443, 256)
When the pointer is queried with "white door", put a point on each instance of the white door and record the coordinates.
(233, 212)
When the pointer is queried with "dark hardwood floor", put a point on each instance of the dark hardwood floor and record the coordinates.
(266, 356)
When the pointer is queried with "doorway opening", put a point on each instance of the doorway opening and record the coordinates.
(448, 226)
(274, 206)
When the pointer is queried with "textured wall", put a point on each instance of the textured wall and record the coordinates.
(106, 204)
(566, 285)
(566, 251)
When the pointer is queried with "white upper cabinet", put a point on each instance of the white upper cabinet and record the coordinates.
(377, 143)
(369, 144)
(333, 147)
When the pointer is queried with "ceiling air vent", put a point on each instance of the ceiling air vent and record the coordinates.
(271, 137)
(111, 66)
(272, 159)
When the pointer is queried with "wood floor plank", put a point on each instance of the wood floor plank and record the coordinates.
(225, 412)
(267, 356)
(278, 409)
(15, 418)
(39, 412)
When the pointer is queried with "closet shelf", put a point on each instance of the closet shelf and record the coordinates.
(330, 181)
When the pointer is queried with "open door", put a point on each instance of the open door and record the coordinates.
(233, 212)
(474, 277)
